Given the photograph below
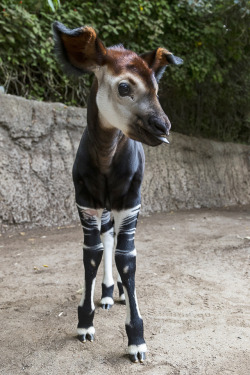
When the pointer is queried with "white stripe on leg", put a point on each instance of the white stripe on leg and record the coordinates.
(122, 296)
(108, 244)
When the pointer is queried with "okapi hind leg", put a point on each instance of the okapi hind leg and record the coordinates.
(92, 256)
(121, 290)
(108, 240)
(125, 258)
(107, 237)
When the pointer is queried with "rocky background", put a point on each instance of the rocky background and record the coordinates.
(38, 143)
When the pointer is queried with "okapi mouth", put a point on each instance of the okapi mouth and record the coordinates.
(162, 138)
(141, 134)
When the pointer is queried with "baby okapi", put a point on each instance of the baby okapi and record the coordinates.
(123, 111)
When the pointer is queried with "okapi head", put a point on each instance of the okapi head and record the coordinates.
(126, 95)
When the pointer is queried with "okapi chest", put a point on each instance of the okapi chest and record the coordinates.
(123, 111)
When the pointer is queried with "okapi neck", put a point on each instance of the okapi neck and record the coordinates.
(105, 141)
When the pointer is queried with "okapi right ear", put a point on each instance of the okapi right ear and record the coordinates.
(159, 59)
(79, 50)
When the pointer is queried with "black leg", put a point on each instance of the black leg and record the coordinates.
(125, 257)
(92, 256)
(121, 290)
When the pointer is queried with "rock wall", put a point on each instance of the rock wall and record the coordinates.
(38, 142)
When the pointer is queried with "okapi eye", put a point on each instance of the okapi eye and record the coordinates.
(124, 89)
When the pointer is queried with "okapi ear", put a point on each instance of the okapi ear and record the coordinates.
(159, 59)
(79, 50)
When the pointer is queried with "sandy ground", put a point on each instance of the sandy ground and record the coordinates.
(192, 285)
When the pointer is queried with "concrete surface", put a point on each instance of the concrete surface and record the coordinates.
(38, 143)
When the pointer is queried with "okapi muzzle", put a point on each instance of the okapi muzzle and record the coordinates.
(152, 129)
(123, 111)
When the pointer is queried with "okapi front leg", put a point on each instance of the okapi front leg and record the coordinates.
(92, 255)
(125, 258)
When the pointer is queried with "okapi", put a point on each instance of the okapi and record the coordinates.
(123, 111)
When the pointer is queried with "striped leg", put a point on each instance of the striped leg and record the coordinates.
(125, 257)
(121, 290)
(92, 255)
(107, 236)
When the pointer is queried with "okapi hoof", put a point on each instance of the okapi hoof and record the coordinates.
(85, 334)
(137, 357)
(137, 353)
(106, 306)
(107, 303)
(84, 338)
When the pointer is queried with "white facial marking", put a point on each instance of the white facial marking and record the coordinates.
(93, 262)
(114, 110)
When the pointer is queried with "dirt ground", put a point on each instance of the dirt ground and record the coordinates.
(192, 286)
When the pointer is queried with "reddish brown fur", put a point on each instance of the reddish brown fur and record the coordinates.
(121, 60)
(86, 50)
(81, 49)
(156, 59)
(160, 58)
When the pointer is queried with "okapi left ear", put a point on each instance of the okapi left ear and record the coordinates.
(159, 59)
(79, 50)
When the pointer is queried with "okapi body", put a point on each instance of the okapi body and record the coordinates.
(123, 111)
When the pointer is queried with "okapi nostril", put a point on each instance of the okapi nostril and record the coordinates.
(158, 124)
(161, 127)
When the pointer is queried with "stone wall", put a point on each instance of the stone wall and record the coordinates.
(38, 142)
